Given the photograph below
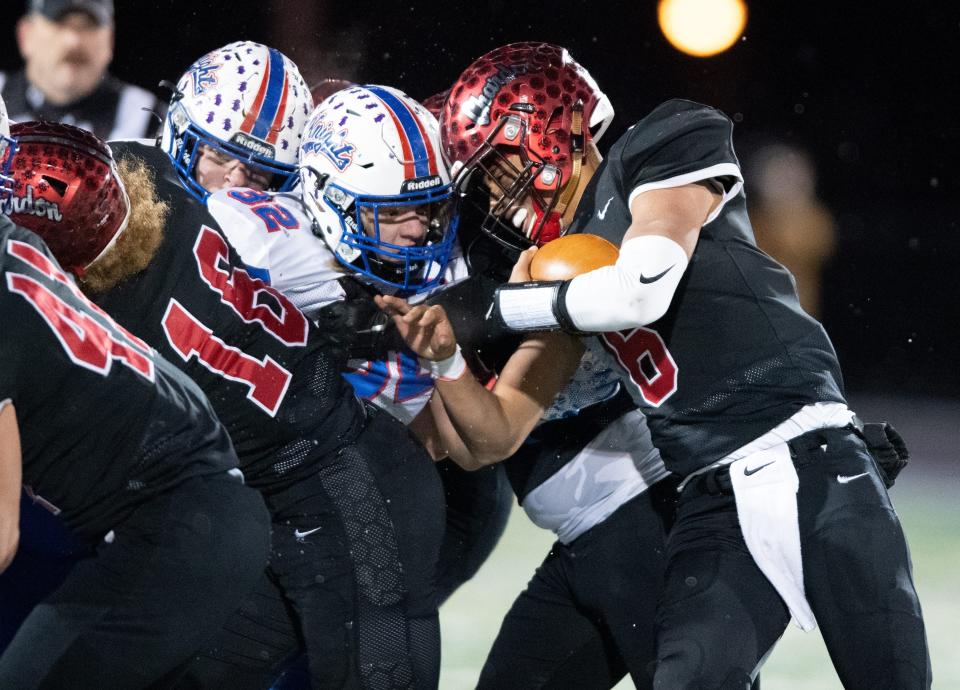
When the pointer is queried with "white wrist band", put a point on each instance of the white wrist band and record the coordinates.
(449, 369)
(526, 308)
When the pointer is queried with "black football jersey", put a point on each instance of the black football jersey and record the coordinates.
(264, 366)
(735, 354)
(104, 422)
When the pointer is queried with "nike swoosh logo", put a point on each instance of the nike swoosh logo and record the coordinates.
(646, 281)
(603, 214)
(747, 472)
(846, 480)
(300, 535)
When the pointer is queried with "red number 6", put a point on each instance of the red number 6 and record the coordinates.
(644, 355)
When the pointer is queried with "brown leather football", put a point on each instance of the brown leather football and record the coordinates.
(571, 255)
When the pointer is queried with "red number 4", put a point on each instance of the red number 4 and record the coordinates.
(88, 343)
(644, 355)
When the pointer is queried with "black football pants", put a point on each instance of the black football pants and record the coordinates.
(586, 618)
(478, 507)
(720, 616)
(177, 567)
(351, 576)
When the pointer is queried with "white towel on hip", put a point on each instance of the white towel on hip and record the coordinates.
(765, 485)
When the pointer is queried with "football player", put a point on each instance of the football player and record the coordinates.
(119, 443)
(235, 120)
(402, 241)
(742, 389)
(355, 503)
(588, 472)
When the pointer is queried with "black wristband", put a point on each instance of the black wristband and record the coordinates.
(560, 310)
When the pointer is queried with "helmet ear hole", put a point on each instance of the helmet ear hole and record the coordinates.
(58, 185)
(554, 122)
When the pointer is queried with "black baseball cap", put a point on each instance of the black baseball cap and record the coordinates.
(55, 10)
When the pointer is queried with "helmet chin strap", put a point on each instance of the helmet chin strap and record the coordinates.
(576, 148)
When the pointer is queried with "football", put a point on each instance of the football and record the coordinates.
(571, 255)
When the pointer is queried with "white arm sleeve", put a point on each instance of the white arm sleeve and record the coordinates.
(635, 291)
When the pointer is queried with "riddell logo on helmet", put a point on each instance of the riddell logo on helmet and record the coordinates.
(28, 205)
(252, 144)
(477, 108)
(420, 183)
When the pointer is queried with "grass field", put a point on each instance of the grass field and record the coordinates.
(930, 513)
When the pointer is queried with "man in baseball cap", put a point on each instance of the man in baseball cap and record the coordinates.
(67, 46)
(100, 10)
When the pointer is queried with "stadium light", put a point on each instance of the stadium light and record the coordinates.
(702, 27)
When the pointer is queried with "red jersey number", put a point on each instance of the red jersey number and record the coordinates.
(644, 355)
(266, 379)
(249, 297)
(254, 302)
(40, 261)
(88, 343)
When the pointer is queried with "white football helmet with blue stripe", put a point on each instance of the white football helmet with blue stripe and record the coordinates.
(368, 151)
(7, 148)
(245, 100)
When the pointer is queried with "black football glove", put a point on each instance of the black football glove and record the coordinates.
(355, 325)
(888, 449)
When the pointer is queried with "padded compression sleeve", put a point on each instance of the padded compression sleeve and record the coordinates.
(635, 291)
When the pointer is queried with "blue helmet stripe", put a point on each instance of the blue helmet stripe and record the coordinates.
(268, 111)
(417, 146)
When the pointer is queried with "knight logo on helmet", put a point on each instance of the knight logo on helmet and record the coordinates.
(66, 189)
(320, 138)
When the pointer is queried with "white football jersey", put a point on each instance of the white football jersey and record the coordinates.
(271, 232)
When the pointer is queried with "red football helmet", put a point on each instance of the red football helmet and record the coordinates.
(327, 87)
(534, 100)
(66, 188)
(434, 103)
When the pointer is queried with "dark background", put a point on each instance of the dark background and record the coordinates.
(870, 93)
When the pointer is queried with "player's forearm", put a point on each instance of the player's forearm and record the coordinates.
(481, 428)
(10, 485)
(633, 292)
(493, 424)
(440, 438)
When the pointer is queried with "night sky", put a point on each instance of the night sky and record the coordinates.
(870, 93)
